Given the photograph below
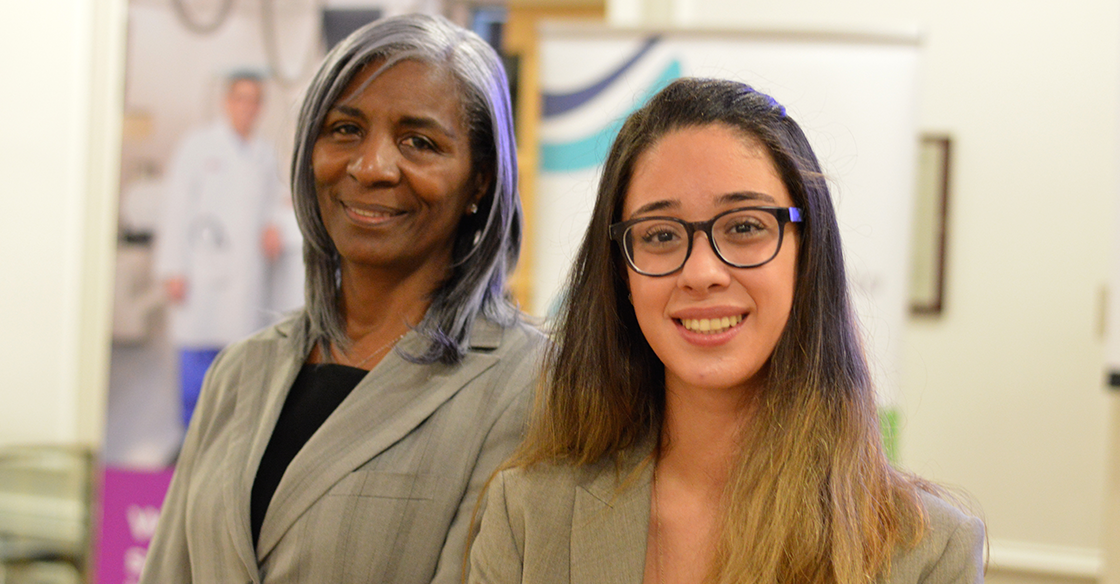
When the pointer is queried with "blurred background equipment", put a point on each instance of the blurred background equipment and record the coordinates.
(44, 513)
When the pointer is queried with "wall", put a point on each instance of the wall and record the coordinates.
(63, 77)
(1003, 394)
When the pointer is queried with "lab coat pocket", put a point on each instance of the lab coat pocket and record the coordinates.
(212, 262)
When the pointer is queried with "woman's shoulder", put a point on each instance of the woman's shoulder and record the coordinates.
(516, 348)
(520, 336)
(951, 549)
(950, 524)
(945, 514)
(276, 341)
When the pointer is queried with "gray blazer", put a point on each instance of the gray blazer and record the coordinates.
(382, 492)
(561, 525)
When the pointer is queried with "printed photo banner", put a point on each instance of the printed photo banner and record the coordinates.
(854, 94)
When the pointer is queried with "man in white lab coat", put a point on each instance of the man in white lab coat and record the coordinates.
(218, 234)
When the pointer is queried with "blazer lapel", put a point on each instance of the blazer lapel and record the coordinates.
(273, 366)
(610, 526)
(392, 400)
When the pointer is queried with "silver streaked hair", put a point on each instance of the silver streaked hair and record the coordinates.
(486, 243)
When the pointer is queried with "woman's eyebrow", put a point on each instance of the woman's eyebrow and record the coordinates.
(656, 206)
(428, 123)
(349, 111)
(739, 197)
(745, 196)
(415, 122)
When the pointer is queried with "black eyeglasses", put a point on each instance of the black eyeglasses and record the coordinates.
(746, 237)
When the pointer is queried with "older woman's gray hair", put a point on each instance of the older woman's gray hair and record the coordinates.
(487, 242)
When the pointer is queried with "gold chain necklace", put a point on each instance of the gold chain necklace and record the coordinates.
(371, 355)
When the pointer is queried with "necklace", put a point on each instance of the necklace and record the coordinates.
(378, 351)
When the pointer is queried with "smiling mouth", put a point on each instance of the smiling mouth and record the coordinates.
(710, 326)
(371, 215)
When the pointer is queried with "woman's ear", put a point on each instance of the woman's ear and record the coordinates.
(624, 275)
(482, 185)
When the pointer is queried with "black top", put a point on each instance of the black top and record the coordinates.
(316, 392)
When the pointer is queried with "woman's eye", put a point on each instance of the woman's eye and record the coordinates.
(419, 143)
(746, 227)
(660, 236)
(345, 129)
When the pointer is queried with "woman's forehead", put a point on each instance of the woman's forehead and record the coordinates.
(408, 88)
(373, 70)
(704, 167)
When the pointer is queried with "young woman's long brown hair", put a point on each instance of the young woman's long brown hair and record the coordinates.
(812, 497)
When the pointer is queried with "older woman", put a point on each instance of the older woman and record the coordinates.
(349, 443)
(708, 414)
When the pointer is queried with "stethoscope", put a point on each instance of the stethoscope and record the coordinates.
(207, 232)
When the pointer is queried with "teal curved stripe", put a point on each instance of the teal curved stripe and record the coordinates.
(591, 151)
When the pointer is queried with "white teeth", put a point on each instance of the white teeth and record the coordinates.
(711, 325)
(371, 214)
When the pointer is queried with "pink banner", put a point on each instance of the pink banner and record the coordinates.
(130, 503)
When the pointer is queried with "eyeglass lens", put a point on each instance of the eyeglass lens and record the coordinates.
(744, 238)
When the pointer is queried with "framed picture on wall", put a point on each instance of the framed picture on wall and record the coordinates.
(931, 207)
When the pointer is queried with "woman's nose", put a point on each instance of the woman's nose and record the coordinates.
(377, 161)
(703, 270)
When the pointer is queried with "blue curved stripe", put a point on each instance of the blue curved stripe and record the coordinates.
(592, 151)
(558, 103)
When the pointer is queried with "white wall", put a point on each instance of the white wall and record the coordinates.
(62, 77)
(1003, 393)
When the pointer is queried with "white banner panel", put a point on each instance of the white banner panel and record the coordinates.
(854, 95)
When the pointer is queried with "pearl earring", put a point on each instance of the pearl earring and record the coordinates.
(472, 209)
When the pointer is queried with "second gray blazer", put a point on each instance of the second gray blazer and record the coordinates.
(382, 492)
(563, 525)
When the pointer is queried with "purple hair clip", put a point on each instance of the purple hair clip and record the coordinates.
(773, 102)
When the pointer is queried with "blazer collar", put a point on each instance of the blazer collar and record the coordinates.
(391, 401)
(268, 369)
(610, 521)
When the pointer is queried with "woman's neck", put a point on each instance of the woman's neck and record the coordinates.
(699, 442)
(700, 437)
(379, 308)
(381, 295)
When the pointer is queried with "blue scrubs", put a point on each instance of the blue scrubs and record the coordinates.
(193, 364)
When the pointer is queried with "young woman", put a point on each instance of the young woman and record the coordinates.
(350, 442)
(708, 415)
